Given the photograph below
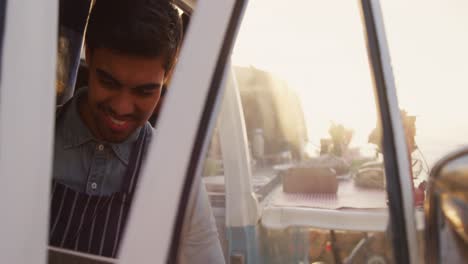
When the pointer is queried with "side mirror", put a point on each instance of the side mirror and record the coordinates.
(447, 210)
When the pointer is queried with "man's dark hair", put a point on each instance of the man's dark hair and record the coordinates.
(147, 28)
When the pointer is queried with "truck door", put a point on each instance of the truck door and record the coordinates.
(308, 162)
(27, 102)
(27, 109)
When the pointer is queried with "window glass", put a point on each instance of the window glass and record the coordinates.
(430, 61)
(312, 137)
(213, 178)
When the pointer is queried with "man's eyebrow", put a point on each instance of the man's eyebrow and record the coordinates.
(108, 76)
(148, 86)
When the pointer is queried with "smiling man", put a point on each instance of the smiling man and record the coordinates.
(102, 132)
(125, 92)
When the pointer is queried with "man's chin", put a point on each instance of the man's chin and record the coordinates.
(116, 137)
(109, 134)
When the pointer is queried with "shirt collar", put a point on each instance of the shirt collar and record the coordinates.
(122, 150)
(76, 133)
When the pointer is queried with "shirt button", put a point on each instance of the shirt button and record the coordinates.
(94, 186)
(101, 147)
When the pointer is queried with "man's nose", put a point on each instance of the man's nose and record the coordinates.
(122, 104)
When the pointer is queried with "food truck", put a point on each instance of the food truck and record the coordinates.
(324, 169)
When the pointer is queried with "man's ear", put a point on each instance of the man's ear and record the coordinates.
(166, 80)
(168, 75)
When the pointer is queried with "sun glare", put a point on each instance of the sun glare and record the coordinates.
(318, 49)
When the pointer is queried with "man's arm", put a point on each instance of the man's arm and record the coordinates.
(199, 241)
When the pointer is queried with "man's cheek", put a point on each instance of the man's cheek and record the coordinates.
(150, 107)
(146, 117)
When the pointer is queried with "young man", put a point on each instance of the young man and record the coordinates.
(102, 132)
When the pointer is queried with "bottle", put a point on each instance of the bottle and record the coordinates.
(258, 144)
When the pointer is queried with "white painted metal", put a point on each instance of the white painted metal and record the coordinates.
(399, 136)
(155, 206)
(241, 203)
(27, 103)
(186, 5)
(351, 220)
(348, 219)
(81, 255)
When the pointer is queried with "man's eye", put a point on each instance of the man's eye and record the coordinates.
(107, 83)
(146, 92)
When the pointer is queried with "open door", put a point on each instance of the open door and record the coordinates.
(27, 117)
(27, 102)
(157, 218)
(291, 171)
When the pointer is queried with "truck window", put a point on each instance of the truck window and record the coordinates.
(430, 58)
(313, 141)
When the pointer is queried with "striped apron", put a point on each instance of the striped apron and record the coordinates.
(94, 224)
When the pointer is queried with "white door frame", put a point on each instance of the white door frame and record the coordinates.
(394, 140)
(168, 166)
(27, 110)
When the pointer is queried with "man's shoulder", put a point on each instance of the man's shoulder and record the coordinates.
(59, 109)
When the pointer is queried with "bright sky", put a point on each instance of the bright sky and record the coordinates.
(318, 48)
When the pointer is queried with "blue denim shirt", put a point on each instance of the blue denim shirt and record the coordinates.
(82, 162)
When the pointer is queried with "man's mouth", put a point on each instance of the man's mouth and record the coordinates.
(116, 124)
